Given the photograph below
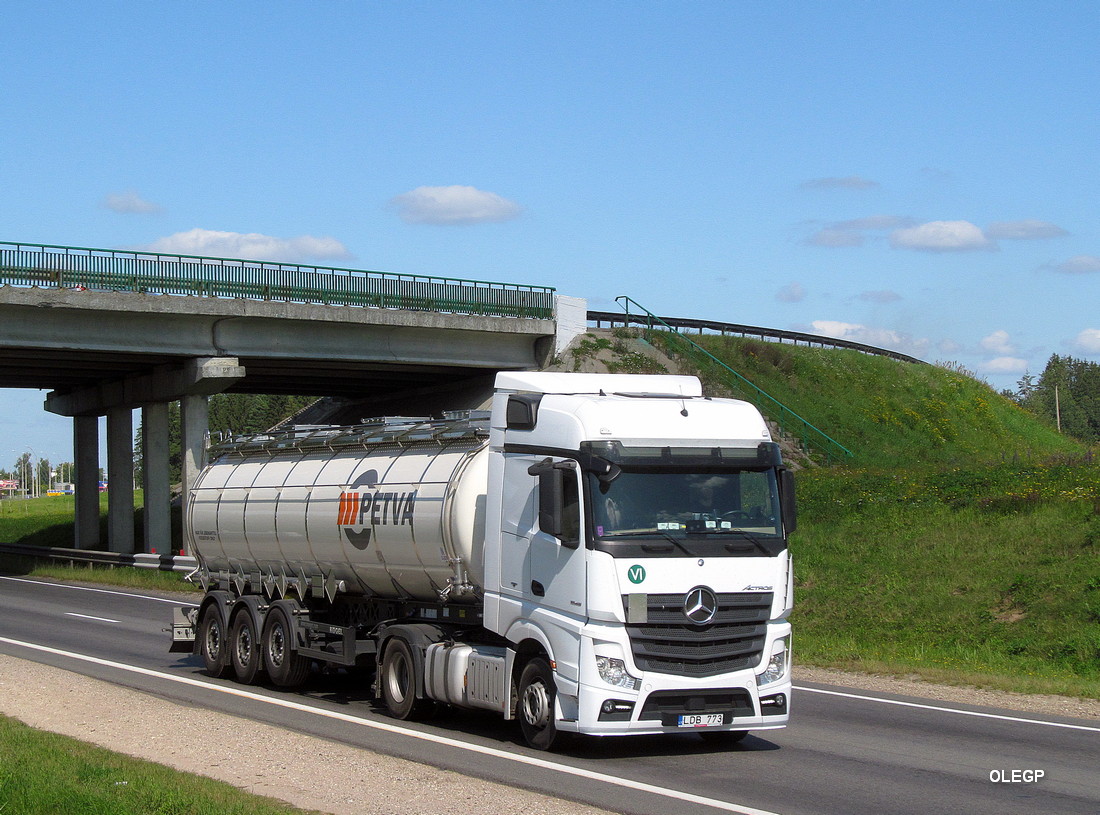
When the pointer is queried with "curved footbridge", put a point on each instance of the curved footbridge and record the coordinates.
(106, 332)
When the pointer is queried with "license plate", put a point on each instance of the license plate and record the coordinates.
(701, 720)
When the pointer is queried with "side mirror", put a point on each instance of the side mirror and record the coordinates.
(552, 508)
(786, 500)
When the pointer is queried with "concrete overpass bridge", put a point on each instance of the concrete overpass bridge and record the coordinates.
(107, 332)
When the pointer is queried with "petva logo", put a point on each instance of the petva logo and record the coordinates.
(361, 510)
(636, 573)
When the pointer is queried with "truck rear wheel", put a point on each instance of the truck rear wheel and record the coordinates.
(537, 704)
(244, 648)
(212, 643)
(397, 681)
(285, 666)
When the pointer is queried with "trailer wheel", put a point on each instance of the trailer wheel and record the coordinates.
(285, 666)
(212, 643)
(397, 680)
(537, 695)
(244, 648)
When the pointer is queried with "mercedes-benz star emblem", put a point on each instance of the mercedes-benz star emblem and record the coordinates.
(700, 605)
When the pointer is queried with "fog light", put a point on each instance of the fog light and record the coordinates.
(616, 710)
(613, 672)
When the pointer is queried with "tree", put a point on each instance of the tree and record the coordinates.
(231, 414)
(1068, 392)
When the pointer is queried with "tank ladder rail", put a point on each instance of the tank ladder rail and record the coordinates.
(388, 430)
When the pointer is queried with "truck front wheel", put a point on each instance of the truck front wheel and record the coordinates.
(537, 695)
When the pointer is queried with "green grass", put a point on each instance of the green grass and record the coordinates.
(48, 522)
(889, 413)
(44, 774)
(906, 576)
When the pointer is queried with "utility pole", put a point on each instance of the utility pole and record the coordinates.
(1057, 409)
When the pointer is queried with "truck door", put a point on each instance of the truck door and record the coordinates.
(557, 542)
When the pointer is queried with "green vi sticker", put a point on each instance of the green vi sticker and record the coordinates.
(636, 574)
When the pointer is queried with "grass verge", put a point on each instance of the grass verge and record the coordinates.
(44, 774)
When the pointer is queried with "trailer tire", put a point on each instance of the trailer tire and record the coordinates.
(537, 705)
(244, 648)
(284, 665)
(212, 639)
(398, 681)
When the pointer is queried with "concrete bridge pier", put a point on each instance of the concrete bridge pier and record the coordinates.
(192, 385)
(86, 479)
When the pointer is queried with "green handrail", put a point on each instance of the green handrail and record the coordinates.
(771, 407)
(158, 273)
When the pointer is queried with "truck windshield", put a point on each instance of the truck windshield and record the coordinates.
(675, 505)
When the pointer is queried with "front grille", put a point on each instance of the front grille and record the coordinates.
(668, 642)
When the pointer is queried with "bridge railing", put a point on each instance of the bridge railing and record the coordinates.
(683, 324)
(156, 273)
(787, 420)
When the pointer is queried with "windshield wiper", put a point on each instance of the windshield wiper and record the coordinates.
(648, 533)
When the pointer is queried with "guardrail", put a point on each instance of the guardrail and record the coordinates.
(69, 267)
(613, 318)
(164, 563)
(768, 405)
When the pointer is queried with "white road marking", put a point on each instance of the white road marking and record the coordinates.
(542, 763)
(100, 591)
(947, 709)
(90, 617)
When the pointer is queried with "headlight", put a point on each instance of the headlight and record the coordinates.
(613, 672)
(778, 664)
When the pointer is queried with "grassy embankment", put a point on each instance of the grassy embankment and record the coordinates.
(960, 544)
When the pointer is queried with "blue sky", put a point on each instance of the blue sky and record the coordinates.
(920, 176)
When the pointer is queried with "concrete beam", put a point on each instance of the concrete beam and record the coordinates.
(199, 376)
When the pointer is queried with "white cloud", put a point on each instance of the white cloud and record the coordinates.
(1005, 365)
(455, 204)
(1024, 230)
(850, 233)
(874, 223)
(1088, 341)
(1079, 264)
(868, 335)
(941, 236)
(852, 182)
(249, 246)
(998, 343)
(834, 238)
(130, 203)
(884, 296)
(791, 293)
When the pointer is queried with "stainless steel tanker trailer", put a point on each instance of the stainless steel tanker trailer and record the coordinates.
(596, 554)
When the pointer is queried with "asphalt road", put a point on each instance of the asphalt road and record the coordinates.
(845, 751)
